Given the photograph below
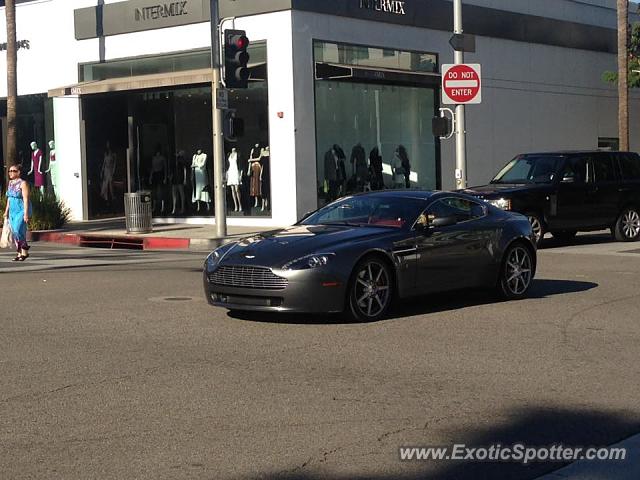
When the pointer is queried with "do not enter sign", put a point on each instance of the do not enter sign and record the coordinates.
(461, 84)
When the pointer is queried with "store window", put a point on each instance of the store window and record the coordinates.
(374, 132)
(173, 148)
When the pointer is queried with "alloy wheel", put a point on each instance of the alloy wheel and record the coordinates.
(536, 226)
(372, 289)
(518, 271)
(631, 224)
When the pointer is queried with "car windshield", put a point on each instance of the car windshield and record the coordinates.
(369, 210)
(529, 169)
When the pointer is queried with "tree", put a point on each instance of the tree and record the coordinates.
(12, 82)
(623, 74)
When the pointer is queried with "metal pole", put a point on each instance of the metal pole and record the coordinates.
(461, 142)
(218, 143)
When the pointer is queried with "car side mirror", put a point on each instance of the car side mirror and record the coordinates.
(443, 222)
(305, 216)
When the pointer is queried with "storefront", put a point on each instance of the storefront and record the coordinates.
(341, 98)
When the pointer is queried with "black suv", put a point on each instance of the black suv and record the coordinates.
(567, 192)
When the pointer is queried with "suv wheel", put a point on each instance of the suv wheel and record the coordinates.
(536, 226)
(627, 227)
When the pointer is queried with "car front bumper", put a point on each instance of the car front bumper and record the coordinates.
(307, 291)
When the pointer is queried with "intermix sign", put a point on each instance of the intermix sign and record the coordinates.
(165, 10)
(387, 6)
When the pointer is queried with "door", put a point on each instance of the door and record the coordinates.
(606, 197)
(453, 256)
(572, 209)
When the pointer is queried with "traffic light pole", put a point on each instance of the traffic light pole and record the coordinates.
(218, 142)
(461, 142)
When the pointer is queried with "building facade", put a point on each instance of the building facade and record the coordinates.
(341, 97)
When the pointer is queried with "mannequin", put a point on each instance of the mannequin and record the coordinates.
(234, 180)
(406, 165)
(158, 178)
(265, 177)
(375, 165)
(398, 170)
(334, 171)
(107, 172)
(53, 167)
(254, 172)
(36, 167)
(200, 179)
(360, 168)
(178, 178)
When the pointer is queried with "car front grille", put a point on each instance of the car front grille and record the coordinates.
(247, 277)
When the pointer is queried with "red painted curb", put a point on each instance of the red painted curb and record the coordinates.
(110, 241)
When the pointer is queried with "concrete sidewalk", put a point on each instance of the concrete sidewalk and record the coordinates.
(112, 233)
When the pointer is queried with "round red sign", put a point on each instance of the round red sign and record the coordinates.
(461, 83)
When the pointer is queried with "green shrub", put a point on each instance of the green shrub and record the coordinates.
(47, 212)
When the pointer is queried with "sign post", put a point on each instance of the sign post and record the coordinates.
(461, 143)
(218, 144)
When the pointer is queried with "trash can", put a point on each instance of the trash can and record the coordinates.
(137, 212)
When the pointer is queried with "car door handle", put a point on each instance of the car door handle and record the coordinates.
(624, 189)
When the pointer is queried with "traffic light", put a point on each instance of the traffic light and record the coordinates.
(236, 58)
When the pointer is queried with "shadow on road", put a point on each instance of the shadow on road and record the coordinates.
(531, 427)
(549, 243)
(427, 304)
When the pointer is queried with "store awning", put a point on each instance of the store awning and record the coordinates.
(142, 82)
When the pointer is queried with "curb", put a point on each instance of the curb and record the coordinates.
(131, 242)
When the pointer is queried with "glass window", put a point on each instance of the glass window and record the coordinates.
(529, 169)
(460, 208)
(630, 165)
(603, 168)
(363, 56)
(167, 63)
(576, 170)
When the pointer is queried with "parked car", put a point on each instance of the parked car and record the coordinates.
(359, 253)
(567, 192)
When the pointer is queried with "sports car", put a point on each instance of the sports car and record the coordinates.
(360, 253)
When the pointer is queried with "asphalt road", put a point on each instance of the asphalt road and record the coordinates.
(113, 366)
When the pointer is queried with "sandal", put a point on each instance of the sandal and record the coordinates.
(18, 258)
(22, 258)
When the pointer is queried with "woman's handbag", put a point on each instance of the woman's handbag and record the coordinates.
(6, 238)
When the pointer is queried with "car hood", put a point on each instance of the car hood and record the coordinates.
(494, 190)
(275, 248)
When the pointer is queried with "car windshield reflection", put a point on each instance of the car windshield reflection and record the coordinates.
(369, 211)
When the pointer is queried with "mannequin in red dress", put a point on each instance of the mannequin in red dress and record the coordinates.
(36, 167)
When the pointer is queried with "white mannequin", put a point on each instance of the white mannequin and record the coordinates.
(254, 171)
(53, 167)
(107, 172)
(199, 167)
(234, 180)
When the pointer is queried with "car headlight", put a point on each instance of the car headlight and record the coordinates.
(214, 257)
(501, 203)
(309, 261)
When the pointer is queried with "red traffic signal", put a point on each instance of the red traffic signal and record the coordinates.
(236, 59)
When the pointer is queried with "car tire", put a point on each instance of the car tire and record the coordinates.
(516, 274)
(537, 225)
(370, 290)
(565, 236)
(627, 227)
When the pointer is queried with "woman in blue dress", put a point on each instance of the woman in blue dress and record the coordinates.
(18, 197)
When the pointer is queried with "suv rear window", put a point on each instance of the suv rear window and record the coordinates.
(630, 165)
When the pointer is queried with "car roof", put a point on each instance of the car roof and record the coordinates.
(571, 152)
(404, 193)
